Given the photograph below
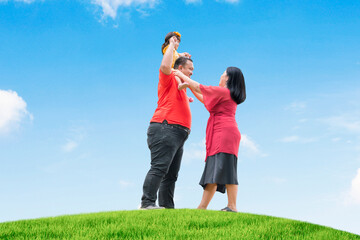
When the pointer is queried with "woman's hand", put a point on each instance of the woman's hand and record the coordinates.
(179, 74)
(194, 86)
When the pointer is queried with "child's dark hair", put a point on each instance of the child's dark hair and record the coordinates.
(236, 84)
(167, 39)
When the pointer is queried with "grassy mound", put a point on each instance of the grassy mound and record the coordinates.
(168, 224)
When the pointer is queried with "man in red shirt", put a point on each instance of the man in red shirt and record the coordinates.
(169, 128)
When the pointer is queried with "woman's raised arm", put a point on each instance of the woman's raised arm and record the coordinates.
(195, 86)
(199, 96)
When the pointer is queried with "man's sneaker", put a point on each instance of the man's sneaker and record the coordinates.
(151, 207)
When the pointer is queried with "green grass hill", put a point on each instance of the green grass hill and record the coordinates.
(168, 224)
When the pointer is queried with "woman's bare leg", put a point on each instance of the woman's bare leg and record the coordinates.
(208, 194)
(232, 190)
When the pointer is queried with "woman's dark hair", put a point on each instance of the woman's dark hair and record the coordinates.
(167, 40)
(236, 84)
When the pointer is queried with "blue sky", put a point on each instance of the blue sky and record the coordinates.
(78, 86)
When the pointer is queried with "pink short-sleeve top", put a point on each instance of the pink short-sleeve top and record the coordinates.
(222, 133)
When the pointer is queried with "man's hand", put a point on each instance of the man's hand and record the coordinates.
(174, 41)
(166, 62)
(185, 54)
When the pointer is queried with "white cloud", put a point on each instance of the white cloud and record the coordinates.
(110, 7)
(229, 1)
(195, 151)
(249, 147)
(143, 13)
(248, 144)
(278, 180)
(192, 1)
(351, 124)
(12, 110)
(125, 184)
(290, 139)
(354, 194)
(297, 107)
(295, 138)
(76, 135)
(24, 1)
(336, 139)
(70, 146)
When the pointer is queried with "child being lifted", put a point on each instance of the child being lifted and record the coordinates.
(181, 84)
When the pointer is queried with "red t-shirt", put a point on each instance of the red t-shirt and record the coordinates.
(173, 105)
(222, 133)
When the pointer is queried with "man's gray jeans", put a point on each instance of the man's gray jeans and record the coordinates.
(166, 144)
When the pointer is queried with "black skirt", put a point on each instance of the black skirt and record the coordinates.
(221, 169)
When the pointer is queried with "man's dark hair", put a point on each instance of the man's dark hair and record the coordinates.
(236, 84)
(181, 61)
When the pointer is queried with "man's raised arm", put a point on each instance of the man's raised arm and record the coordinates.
(168, 57)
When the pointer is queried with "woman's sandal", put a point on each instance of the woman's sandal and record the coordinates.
(227, 209)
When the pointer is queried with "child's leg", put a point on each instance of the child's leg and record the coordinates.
(208, 194)
(181, 85)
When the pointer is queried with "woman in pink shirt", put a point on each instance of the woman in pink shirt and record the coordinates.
(222, 134)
